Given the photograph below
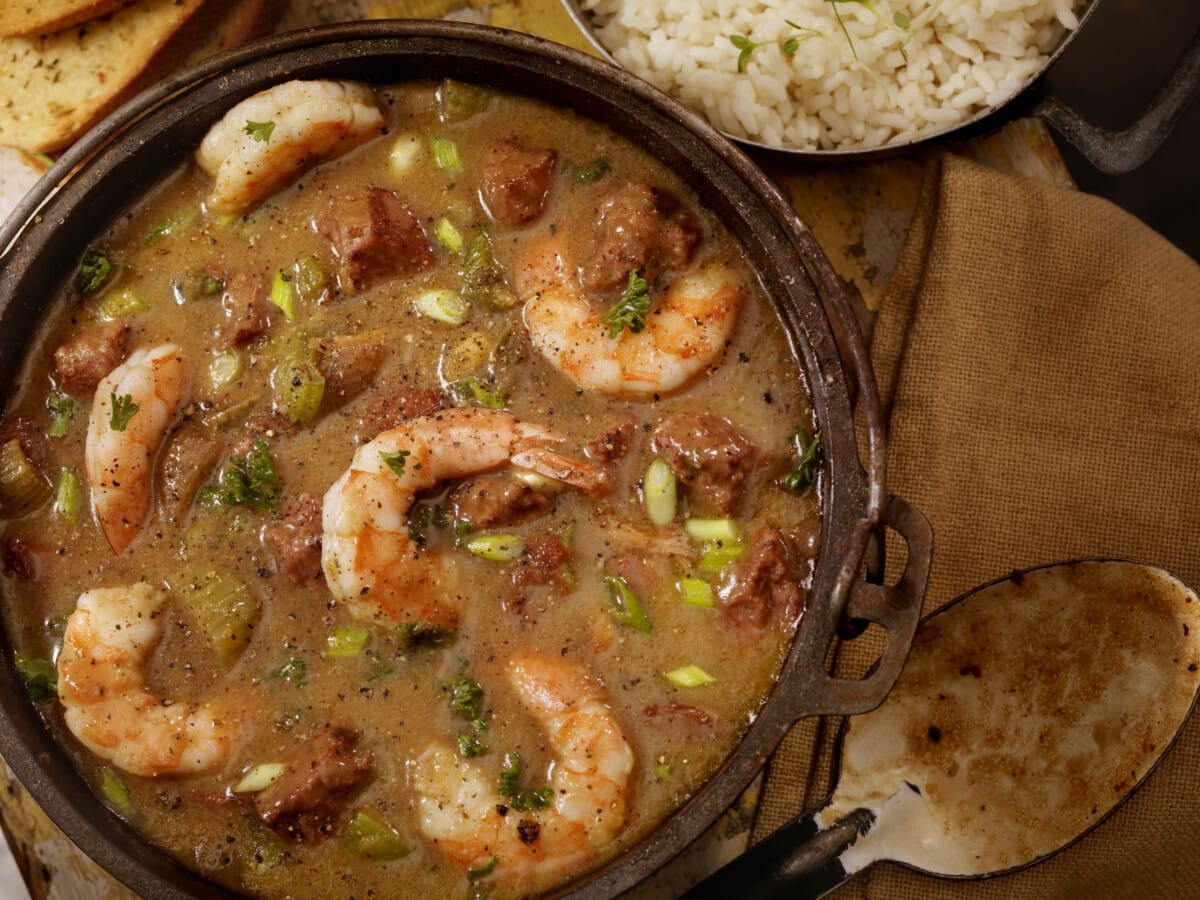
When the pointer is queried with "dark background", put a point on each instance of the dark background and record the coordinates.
(1110, 73)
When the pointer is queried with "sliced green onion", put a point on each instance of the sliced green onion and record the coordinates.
(121, 304)
(445, 154)
(282, 294)
(449, 236)
(405, 152)
(624, 606)
(345, 643)
(310, 277)
(704, 530)
(115, 792)
(374, 839)
(22, 486)
(67, 497)
(442, 306)
(717, 555)
(224, 368)
(497, 547)
(260, 777)
(696, 592)
(689, 676)
(659, 493)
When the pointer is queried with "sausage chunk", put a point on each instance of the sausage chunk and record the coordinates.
(375, 236)
(640, 228)
(391, 409)
(490, 500)
(245, 304)
(544, 562)
(613, 443)
(348, 362)
(305, 802)
(516, 181)
(762, 585)
(81, 362)
(709, 454)
(190, 457)
(296, 538)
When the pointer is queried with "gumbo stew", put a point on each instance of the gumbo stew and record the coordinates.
(412, 496)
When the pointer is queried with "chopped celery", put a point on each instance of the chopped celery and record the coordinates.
(38, 674)
(267, 856)
(497, 547)
(718, 554)
(706, 530)
(296, 381)
(120, 304)
(260, 777)
(62, 411)
(345, 643)
(405, 151)
(482, 278)
(661, 771)
(696, 592)
(22, 486)
(442, 306)
(659, 493)
(459, 101)
(282, 294)
(67, 497)
(310, 278)
(448, 235)
(445, 154)
(624, 606)
(373, 839)
(115, 793)
(689, 676)
(224, 368)
(294, 671)
(224, 610)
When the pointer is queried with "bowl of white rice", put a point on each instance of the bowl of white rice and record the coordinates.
(833, 77)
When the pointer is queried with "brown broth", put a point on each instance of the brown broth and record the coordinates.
(396, 697)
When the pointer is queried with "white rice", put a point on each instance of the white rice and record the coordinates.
(837, 90)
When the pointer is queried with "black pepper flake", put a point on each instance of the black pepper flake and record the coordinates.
(528, 831)
(935, 734)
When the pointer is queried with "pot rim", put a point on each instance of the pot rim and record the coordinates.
(812, 307)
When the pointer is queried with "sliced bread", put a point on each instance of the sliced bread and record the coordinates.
(45, 16)
(18, 172)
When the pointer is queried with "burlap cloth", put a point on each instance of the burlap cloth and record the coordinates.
(1038, 354)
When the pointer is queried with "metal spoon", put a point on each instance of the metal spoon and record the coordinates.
(1029, 709)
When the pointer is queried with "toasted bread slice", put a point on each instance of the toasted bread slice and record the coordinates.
(46, 16)
(18, 172)
(238, 22)
(54, 87)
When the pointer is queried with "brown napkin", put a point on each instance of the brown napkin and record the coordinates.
(1038, 354)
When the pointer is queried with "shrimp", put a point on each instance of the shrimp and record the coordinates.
(149, 387)
(101, 682)
(371, 562)
(459, 809)
(268, 139)
(685, 333)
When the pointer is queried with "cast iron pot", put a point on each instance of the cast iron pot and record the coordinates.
(143, 140)
(1109, 151)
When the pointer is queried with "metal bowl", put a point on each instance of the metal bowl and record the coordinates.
(141, 142)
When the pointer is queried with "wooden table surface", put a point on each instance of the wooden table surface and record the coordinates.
(859, 212)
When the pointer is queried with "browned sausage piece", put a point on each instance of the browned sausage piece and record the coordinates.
(389, 409)
(762, 584)
(305, 802)
(296, 538)
(376, 236)
(349, 362)
(191, 455)
(489, 500)
(709, 454)
(613, 443)
(516, 181)
(640, 228)
(81, 362)
(245, 303)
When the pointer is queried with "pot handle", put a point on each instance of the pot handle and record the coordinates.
(895, 608)
(1121, 151)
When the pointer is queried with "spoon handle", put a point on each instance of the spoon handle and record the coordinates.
(799, 861)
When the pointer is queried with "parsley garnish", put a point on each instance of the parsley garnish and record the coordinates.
(62, 410)
(38, 674)
(395, 461)
(469, 392)
(469, 745)
(476, 874)
(247, 482)
(419, 635)
(94, 270)
(466, 697)
(593, 171)
(294, 670)
(631, 310)
(801, 477)
(123, 409)
(508, 786)
(260, 131)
